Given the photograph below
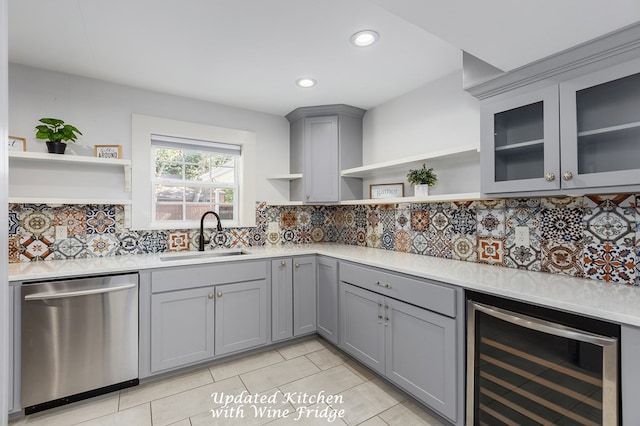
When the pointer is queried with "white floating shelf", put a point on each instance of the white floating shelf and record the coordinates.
(520, 145)
(403, 164)
(54, 201)
(284, 203)
(292, 176)
(62, 158)
(469, 196)
(609, 129)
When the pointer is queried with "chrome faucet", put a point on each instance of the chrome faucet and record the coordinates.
(202, 241)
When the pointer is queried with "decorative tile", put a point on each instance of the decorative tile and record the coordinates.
(102, 245)
(34, 248)
(74, 247)
(153, 242)
(402, 241)
(609, 202)
(14, 249)
(420, 220)
(120, 218)
(194, 237)
(403, 219)
(339, 217)
(463, 247)
(614, 225)
(304, 235)
(463, 221)
(562, 224)
(303, 217)
(439, 243)
(523, 257)
(491, 250)
(101, 220)
(440, 220)
(562, 258)
(440, 206)
(490, 223)
(374, 236)
(419, 243)
(273, 236)
(74, 218)
(463, 205)
(219, 240)
(373, 218)
(129, 243)
(330, 234)
(522, 203)
(388, 241)
(37, 221)
(258, 237)
(274, 213)
(317, 234)
(289, 236)
(178, 241)
(317, 217)
(490, 204)
(388, 219)
(240, 237)
(361, 236)
(348, 236)
(350, 218)
(607, 262)
(562, 202)
(14, 223)
(637, 282)
(288, 219)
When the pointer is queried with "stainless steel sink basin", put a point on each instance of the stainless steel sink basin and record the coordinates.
(202, 254)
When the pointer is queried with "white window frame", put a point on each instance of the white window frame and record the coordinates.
(143, 126)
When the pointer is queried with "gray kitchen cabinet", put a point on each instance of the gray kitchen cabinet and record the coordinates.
(362, 331)
(564, 135)
(293, 297)
(182, 327)
(327, 298)
(417, 345)
(323, 141)
(240, 316)
(421, 354)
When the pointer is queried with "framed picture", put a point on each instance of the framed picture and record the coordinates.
(386, 190)
(108, 151)
(17, 143)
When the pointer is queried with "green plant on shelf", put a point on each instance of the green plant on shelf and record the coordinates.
(422, 176)
(54, 130)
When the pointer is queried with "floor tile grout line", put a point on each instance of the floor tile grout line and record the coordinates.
(249, 371)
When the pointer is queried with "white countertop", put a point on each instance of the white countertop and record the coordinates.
(613, 302)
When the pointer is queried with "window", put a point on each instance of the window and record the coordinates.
(181, 169)
(191, 177)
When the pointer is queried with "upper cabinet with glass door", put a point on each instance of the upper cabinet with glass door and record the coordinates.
(520, 141)
(600, 128)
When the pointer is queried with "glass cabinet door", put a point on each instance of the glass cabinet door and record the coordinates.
(600, 128)
(520, 142)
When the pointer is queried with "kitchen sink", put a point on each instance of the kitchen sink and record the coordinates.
(201, 254)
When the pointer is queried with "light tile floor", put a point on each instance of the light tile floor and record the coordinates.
(312, 366)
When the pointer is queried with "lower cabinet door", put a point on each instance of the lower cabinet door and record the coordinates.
(362, 325)
(421, 355)
(181, 328)
(327, 294)
(304, 295)
(281, 299)
(241, 316)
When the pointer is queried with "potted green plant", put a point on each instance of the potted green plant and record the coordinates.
(56, 133)
(422, 179)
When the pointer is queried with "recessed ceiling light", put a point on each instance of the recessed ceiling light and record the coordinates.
(306, 82)
(364, 38)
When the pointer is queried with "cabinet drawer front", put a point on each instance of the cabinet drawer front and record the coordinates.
(206, 275)
(420, 292)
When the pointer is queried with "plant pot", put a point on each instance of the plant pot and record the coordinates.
(56, 147)
(421, 191)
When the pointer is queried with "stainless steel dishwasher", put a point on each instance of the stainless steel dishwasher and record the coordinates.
(79, 339)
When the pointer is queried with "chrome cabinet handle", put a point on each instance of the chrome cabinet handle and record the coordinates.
(385, 285)
(567, 175)
(549, 176)
(100, 290)
(283, 263)
(297, 265)
(307, 196)
(219, 294)
(210, 295)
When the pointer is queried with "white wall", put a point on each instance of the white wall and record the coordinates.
(4, 220)
(102, 111)
(439, 115)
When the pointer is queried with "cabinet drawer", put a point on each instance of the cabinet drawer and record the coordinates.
(419, 292)
(206, 275)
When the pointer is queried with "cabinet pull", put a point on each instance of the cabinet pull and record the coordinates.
(210, 295)
(549, 176)
(307, 196)
(283, 263)
(567, 175)
(297, 265)
(219, 294)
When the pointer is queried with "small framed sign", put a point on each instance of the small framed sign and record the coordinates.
(108, 151)
(386, 190)
(17, 143)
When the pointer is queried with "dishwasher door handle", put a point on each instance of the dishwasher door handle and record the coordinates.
(60, 295)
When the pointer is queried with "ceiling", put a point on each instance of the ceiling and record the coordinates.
(249, 53)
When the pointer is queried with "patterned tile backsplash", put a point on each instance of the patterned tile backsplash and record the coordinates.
(595, 237)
